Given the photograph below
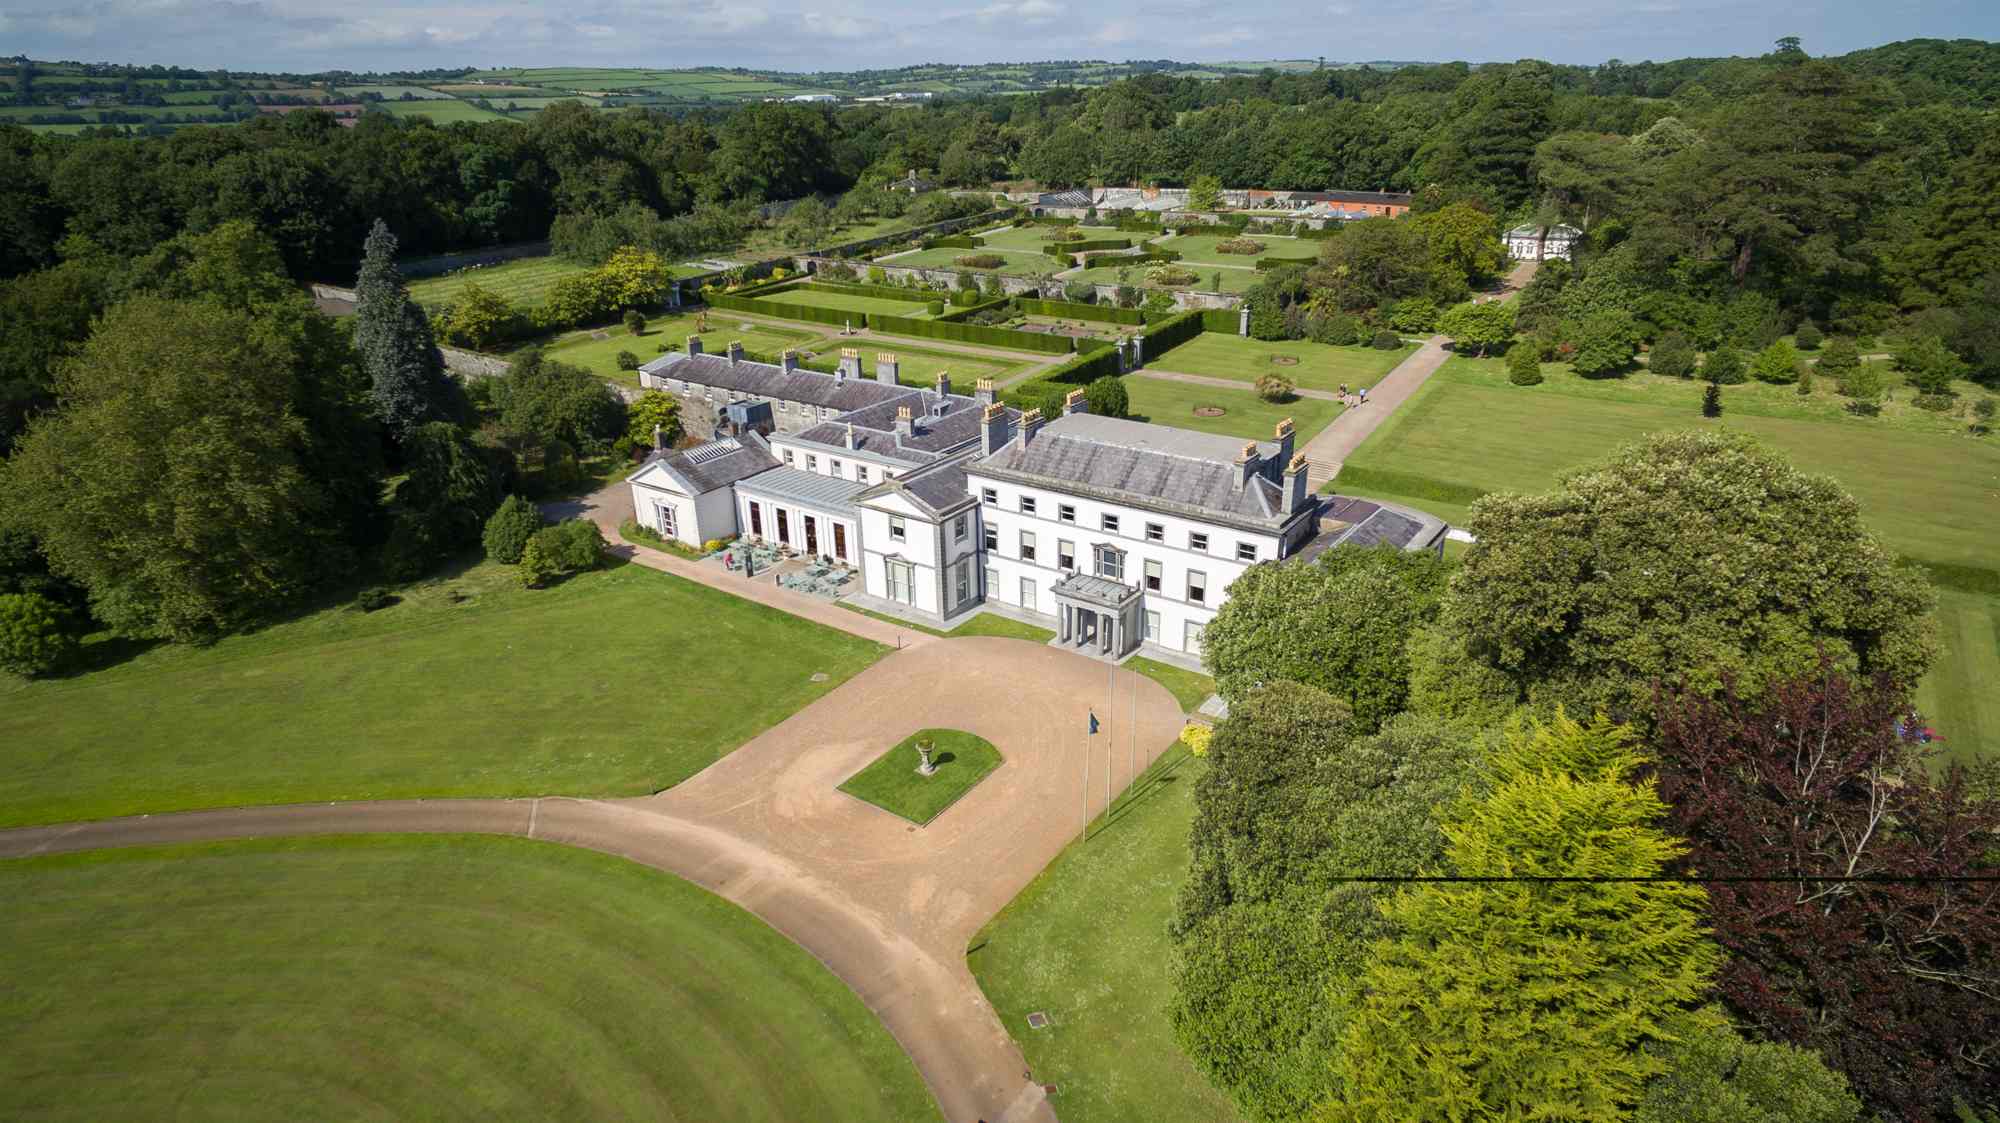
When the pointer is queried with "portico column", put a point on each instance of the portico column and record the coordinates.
(1104, 630)
(1063, 611)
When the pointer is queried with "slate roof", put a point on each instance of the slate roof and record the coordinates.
(767, 381)
(936, 489)
(715, 465)
(1371, 522)
(1178, 471)
(810, 489)
(875, 426)
(1095, 590)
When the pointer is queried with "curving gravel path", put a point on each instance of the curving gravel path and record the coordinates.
(888, 907)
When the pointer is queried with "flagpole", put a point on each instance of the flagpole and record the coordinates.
(1086, 781)
(1110, 739)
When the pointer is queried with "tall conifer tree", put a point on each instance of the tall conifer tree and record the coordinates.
(393, 337)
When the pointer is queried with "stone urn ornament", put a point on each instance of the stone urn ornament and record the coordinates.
(924, 765)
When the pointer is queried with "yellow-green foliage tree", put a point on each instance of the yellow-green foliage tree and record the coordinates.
(635, 278)
(1520, 999)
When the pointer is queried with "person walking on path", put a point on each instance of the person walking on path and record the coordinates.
(1364, 395)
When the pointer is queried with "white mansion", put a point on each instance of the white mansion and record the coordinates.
(1119, 533)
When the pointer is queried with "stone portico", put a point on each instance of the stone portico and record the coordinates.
(1098, 616)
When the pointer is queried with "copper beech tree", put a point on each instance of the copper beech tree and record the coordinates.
(1806, 787)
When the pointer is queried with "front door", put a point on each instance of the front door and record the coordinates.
(812, 536)
(840, 541)
(900, 582)
(784, 526)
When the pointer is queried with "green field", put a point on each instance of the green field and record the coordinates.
(1317, 366)
(891, 781)
(1189, 688)
(1086, 943)
(443, 111)
(1247, 416)
(392, 93)
(848, 302)
(1927, 490)
(1199, 249)
(472, 686)
(418, 977)
(524, 282)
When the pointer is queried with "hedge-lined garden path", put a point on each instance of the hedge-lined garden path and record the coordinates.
(1334, 444)
(888, 907)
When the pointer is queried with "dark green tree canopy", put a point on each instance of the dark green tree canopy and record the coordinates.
(1340, 624)
(393, 337)
(1681, 559)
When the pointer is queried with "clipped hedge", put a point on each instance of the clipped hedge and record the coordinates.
(884, 292)
(740, 303)
(954, 241)
(1222, 321)
(1172, 332)
(971, 333)
(1099, 313)
(1963, 578)
(967, 311)
(1407, 484)
(1086, 367)
(1065, 249)
(1264, 263)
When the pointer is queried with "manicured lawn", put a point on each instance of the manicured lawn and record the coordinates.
(1246, 415)
(1960, 698)
(1019, 262)
(524, 282)
(1316, 366)
(847, 302)
(893, 783)
(418, 977)
(471, 686)
(600, 356)
(1189, 688)
(1927, 490)
(1086, 943)
(1199, 249)
(1929, 494)
(916, 366)
(1033, 238)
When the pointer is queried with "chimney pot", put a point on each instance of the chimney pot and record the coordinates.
(694, 345)
(1031, 423)
(1074, 402)
(982, 392)
(943, 383)
(905, 424)
(735, 350)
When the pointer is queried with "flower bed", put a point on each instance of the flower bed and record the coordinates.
(1241, 245)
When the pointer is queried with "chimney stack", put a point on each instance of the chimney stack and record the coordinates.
(659, 439)
(850, 434)
(788, 360)
(850, 362)
(982, 392)
(735, 350)
(992, 428)
(1031, 423)
(944, 384)
(1247, 463)
(1073, 402)
(905, 424)
(694, 345)
(1298, 493)
(886, 367)
(1284, 434)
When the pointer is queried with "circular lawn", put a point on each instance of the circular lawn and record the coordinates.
(402, 977)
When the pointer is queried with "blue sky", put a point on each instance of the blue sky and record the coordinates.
(805, 35)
